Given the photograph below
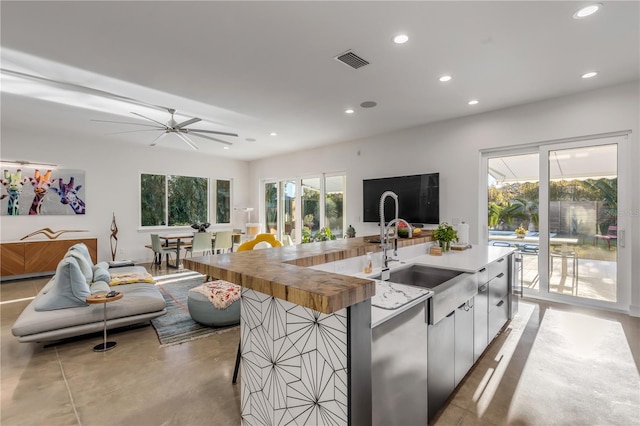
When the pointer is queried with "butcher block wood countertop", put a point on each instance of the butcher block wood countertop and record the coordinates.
(283, 271)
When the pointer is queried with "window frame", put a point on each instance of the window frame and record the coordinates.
(212, 201)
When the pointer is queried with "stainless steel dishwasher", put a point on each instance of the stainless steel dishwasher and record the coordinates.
(399, 369)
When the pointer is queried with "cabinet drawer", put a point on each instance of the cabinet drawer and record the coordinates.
(498, 289)
(498, 267)
(498, 315)
(483, 276)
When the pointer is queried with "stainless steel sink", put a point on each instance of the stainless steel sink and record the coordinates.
(421, 276)
(451, 288)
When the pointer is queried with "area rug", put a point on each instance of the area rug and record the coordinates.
(176, 326)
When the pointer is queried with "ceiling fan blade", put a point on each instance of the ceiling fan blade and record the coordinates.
(164, 126)
(211, 139)
(153, 143)
(134, 131)
(187, 140)
(125, 122)
(186, 123)
(213, 132)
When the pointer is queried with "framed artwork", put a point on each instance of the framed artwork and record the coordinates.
(42, 192)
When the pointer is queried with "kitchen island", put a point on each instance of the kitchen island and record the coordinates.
(306, 334)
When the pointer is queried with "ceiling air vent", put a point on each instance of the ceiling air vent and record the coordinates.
(351, 59)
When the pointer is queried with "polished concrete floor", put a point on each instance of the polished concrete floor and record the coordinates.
(139, 383)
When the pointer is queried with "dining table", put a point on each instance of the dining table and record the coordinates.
(183, 239)
(178, 239)
(560, 248)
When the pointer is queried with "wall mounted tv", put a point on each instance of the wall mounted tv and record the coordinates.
(418, 198)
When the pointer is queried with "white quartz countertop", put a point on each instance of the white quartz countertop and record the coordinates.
(470, 260)
(392, 299)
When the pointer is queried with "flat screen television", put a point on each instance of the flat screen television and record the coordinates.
(418, 198)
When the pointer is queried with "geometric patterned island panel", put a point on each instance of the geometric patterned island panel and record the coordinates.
(294, 363)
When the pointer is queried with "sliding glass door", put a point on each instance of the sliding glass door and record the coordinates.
(301, 207)
(582, 221)
(557, 205)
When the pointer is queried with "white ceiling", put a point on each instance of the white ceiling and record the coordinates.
(261, 67)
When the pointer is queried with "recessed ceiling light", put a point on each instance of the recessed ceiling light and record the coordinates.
(401, 39)
(445, 78)
(589, 74)
(250, 139)
(226, 147)
(349, 111)
(273, 134)
(473, 102)
(587, 11)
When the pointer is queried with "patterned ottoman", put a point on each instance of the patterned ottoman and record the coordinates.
(215, 303)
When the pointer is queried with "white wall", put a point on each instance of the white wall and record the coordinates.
(112, 170)
(452, 149)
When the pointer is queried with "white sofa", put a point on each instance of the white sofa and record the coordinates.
(60, 310)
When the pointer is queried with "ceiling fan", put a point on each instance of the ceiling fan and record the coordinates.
(172, 126)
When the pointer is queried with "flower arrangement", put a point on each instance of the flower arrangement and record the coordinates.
(520, 231)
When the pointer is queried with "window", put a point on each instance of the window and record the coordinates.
(172, 200)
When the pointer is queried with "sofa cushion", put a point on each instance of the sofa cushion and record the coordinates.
(81, 254)
(69, 289)
(100, 286)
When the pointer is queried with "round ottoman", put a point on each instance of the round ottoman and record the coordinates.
(215, 303)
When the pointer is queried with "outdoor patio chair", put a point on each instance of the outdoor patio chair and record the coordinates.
(612, 234)
(566, 253)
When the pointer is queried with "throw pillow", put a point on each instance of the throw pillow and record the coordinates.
(103, 265)
(81, 254)
(70, 288)
(101, 274)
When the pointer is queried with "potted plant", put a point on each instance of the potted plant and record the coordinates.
(520, 232)
(444, 234)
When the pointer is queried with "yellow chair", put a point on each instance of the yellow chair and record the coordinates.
(269, 238)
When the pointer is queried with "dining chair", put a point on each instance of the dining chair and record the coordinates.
(201, 242)
(159, 250)
(224, 241)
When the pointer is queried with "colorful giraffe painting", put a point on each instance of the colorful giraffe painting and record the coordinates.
(41, 184)
(13, 182)
(69, 195)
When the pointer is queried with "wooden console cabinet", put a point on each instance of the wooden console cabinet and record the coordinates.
(38, 257)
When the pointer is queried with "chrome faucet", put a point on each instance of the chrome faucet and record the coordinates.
(384, 233)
